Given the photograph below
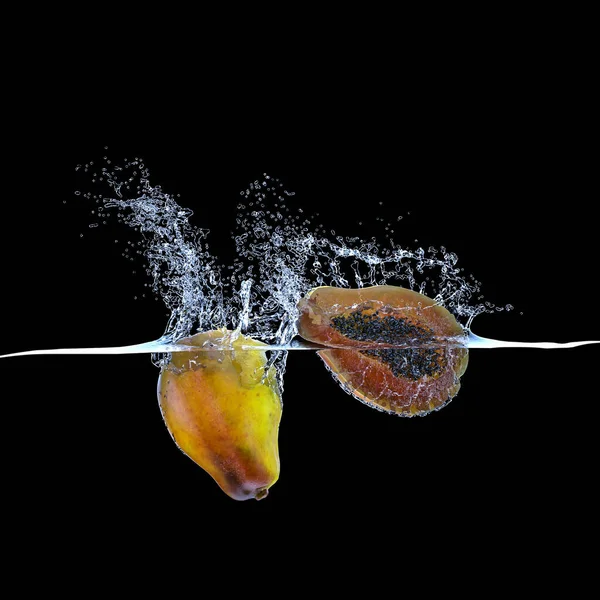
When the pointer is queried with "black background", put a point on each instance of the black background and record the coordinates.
(499, 172)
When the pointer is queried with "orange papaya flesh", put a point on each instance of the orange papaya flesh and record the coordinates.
(392, 348)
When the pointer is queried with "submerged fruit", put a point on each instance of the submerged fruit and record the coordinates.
(412, 380)
(224, 412)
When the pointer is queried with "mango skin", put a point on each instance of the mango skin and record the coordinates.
(222, 415)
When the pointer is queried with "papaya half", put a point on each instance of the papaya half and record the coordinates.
(392, 348)
(223, 411)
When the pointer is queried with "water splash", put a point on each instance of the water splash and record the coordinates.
(280, 254)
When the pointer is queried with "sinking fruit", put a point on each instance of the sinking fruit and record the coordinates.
(223, 411)
(390, 347)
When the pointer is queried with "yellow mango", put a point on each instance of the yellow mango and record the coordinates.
(223, 413)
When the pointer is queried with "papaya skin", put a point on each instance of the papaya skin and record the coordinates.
(222, 414)
(404, 381)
